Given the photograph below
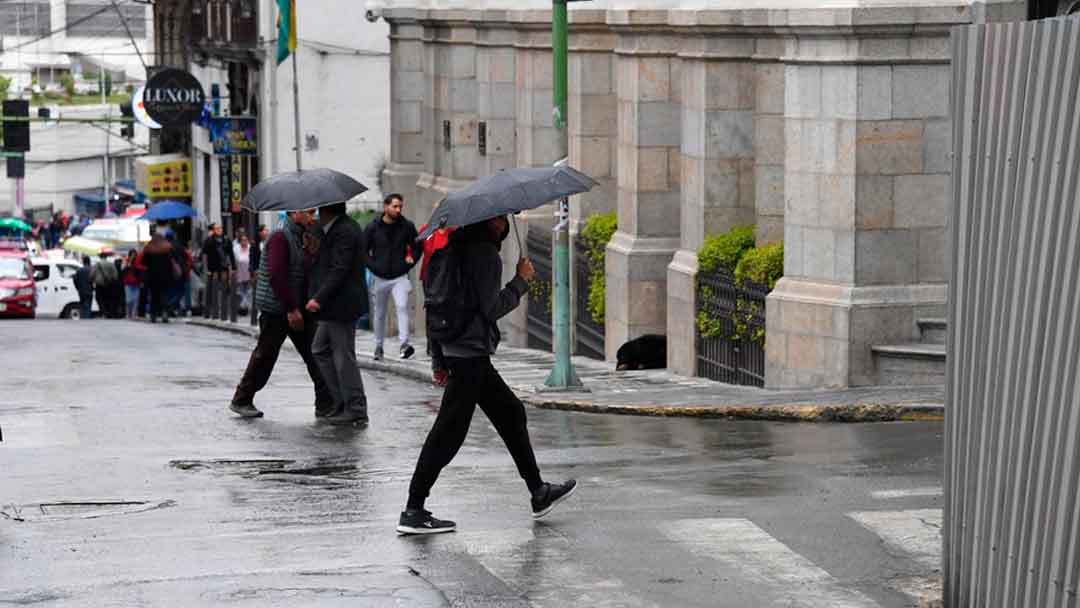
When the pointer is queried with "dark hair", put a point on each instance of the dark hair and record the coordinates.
(85, 260)
(261, 228)
(210, 227)
(390, 198)
(336, 210)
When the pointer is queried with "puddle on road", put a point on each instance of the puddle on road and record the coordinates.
(316, 472)
(193, 382)
(79, 509)
(248, 465)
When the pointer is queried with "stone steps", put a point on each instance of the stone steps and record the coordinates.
(916, 363)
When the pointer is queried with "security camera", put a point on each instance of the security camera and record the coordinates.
(371, 15)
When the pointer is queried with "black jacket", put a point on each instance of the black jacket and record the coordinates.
(82, 281)
(337, 281)
(481, 267)
(219, 256)
(386, 247)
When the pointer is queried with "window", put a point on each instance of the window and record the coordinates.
(41, 273)
(67, 271)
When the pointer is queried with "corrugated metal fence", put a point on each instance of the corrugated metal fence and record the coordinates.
(1012, 535)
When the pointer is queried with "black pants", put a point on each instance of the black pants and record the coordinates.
(104, 296)
(273, 329)
(473, 382)
(157, 299)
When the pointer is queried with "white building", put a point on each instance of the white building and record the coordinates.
(344, 99)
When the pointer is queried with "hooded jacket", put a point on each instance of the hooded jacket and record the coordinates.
(481, 267)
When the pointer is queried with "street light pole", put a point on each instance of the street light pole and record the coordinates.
(562, 375)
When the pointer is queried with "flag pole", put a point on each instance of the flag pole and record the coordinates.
(296, 108)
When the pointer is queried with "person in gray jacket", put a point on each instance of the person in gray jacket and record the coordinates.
(464, 366)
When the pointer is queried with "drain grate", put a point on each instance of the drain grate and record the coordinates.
(80, 509)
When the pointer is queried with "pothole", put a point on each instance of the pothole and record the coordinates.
(79, 509)
(226, 465)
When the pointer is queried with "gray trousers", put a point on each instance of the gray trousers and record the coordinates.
(334, 349)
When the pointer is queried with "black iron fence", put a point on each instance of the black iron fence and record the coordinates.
(590, 334)
(538, 246)
(730, 329)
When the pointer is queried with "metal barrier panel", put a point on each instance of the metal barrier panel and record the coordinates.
(1012, 455)
(735, 354)
(538, 245)
(589, 333)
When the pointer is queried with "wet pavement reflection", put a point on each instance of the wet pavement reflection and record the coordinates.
(285, 511)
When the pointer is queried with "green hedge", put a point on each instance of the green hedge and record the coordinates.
(363, 217)
(724, 250)
(761, 265)
(599, 228)
(735, 251)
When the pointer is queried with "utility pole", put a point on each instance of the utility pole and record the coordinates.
(108, 133)
(562, 375)
(20, 190)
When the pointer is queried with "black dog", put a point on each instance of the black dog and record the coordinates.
(647, 352)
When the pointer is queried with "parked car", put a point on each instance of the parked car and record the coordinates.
(56, 295)
(18, 297)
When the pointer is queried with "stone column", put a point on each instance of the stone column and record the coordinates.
(496, 96)
(717, 171)
(648, 83)
(769, 141)
(407, 150)
(592, 108)
(866, 175)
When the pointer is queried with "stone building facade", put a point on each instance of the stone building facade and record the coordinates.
(826, 127)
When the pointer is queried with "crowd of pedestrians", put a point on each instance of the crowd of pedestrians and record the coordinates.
(311, 289)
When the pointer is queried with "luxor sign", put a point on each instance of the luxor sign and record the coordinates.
(173, 98)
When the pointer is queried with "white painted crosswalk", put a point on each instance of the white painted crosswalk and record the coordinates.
(549, 569)
(756, 555)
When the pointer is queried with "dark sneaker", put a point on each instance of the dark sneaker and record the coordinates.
(407, 351)
(324, 411)
(347, 417)
(549, 495)
(378, 356)
(419, 521)
(246, 410)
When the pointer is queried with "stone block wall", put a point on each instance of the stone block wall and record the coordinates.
(826, 127)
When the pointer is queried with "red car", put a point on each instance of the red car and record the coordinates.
(18, 298)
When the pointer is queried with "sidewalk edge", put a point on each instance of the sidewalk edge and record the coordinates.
(787, 412)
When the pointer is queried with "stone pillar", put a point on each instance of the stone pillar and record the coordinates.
(592, 108)
(648, 84)
(407, 149)
(769, 141)
(717, 172)
(538, 142)
(866, 175)
(496, 77)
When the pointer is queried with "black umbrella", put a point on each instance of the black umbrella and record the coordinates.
(508, 191)
(301, 190)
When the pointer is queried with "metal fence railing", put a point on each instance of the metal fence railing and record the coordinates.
(538, 245)
(732, 350)
(589, 333)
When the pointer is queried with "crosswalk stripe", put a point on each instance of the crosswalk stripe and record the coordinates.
(546, 570)
(914, 532)
(906, 493)
(741, 545)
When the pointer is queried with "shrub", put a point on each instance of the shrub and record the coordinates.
(599, 228)
(761, 265)
(68, 84)
(724, 250)
(5, 84)
(362, 217)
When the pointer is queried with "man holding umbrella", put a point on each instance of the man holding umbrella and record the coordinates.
(279, 296)
(464, 301)
(336, 275)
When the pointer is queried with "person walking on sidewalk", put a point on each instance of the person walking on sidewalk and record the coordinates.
(283, 278)
(84, 286)
(104, 276)
(463, 365)
(161, 273)
(132, 277)
(339, 298)
(390, 255)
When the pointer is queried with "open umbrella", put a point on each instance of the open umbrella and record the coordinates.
(14, 223)
(505, 192)
(168, 210)
(301, 190)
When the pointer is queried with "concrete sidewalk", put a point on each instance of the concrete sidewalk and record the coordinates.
(660, 393)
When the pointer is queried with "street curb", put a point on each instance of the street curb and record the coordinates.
(783, 412)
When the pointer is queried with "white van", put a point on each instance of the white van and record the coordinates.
(55, 285)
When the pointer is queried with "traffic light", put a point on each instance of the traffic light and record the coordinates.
(16, 167)
(128, 128)
(16, 133)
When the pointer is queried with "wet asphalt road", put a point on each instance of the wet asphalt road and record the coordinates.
(286, 512)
